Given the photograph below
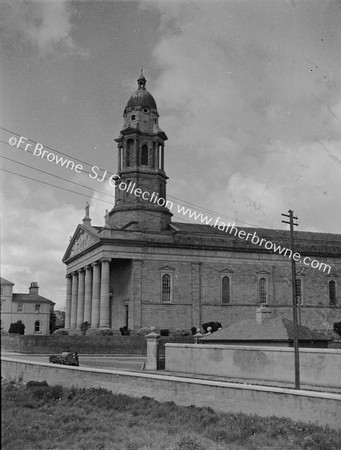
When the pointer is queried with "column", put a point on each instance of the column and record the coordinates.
(152, 351)
(96, 287)
(80, 306)
(136, 153)
(119, 159)
(74, 300)
(162, 157)
(157, 156)
(104, 320)
(87, 294)
(68, 301)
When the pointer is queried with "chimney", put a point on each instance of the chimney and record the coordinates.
(34, 288)
(262, 313)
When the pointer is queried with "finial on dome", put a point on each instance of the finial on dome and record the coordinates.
(141, 80)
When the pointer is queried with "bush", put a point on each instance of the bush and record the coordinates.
(181, 332)
(84, 327)
(214, 326)
(61, 331)
(105, 332)
(18, 328)
(337, 328)
(125, 331)
(142, 331)
(164, 332)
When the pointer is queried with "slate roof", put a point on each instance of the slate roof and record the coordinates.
(5, 282)
(277, 329)
(31, 298)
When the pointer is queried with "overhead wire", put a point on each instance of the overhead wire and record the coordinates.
(111, 173)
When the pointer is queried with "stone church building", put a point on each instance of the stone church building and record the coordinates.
(140, 268)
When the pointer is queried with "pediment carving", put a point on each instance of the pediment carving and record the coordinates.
(82, 241)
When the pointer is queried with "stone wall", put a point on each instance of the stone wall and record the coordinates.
(318, 367)
(131, 345)
(304, 406)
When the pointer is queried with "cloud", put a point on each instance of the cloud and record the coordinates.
(45, 25)
(247, 92)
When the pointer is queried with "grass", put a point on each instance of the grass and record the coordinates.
(40, 417)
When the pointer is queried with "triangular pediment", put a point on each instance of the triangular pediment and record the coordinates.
(83, 238)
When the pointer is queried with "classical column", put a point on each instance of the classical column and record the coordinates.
(68, 301)
(87, 294)
(74, 300)
(80, 306)
(162, 157)
(119, 168)
(104, 320)
(96, 287)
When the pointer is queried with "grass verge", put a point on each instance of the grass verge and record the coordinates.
(37, 416)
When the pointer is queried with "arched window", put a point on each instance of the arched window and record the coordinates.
(332, 292)
(144, 155)
(225, 290)
(262, 291)
(37, 326)
(166, 288)
(299, 294)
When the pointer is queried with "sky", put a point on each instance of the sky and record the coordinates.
(248, 92)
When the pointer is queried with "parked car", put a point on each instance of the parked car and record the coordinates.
(65, 358)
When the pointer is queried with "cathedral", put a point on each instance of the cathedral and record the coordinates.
(140, 268)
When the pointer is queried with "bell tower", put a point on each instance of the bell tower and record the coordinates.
(141, 190)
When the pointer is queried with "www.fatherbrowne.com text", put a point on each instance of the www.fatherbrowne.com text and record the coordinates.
(38, 150)
(222, 226)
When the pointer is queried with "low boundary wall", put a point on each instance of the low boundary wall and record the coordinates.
(305, 406)
(132, 345)
(318, 367)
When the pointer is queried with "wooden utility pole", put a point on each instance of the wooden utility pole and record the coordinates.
(294, 296)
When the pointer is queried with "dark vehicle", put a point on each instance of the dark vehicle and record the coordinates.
(65, 358)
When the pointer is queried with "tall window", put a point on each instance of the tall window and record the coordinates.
(225, 290)
(20, 307)
(144, 155)
(37, 326)
(262, 291)
(37, 308)
(166, 288)
(299, 293)
(332, 292)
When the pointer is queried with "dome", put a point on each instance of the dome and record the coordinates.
(141, 97)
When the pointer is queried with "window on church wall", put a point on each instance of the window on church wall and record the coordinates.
(144, 155)
(20, 307)
(299, 291)
(37, 308)
(37, 326)
(332, 292)
(166, 288)
(162, 190)
(262, 291)
(225, 290)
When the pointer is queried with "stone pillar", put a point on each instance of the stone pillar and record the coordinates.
(87, 294)
(68, 301)
(80, 305)
(104, 320)
(74, 300)
(196, 294)
(197, 337)
(96, 288)
(152, 349)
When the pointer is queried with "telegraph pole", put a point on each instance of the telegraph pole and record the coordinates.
(294, 296)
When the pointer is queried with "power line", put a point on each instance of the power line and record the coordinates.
(53, 185)
(169, 196)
